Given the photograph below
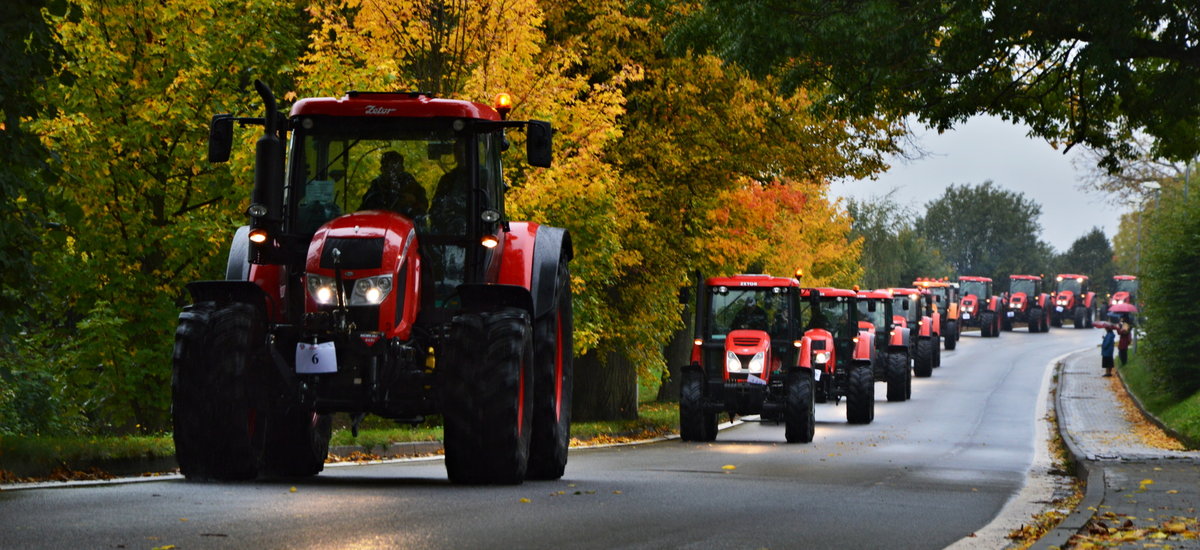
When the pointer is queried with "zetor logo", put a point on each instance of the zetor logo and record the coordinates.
(373, 110)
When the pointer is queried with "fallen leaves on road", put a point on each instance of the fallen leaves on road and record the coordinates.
(1043, 522)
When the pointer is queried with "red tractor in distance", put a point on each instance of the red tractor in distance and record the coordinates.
(945, 300)
(843, 351)
(351, 294)
(1027, 304)
(749, 357)
(979, 307)
(1072, 300)
(893, 360)
(1125, 291)
(913, 309)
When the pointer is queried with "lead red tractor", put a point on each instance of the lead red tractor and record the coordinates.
(893, 359)
(913, 310)
(944, 296)
(1072, 301)
(979, 306)
(749, 357)
(402, 311)
(1027, 304)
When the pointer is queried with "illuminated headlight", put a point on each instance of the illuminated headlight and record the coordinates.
(756, 363)
(321, 288)
(370, 291)
(821, 357)
(732, 362)
(1014, 305)
(1118, 301)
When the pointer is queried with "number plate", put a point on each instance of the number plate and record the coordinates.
(817, 374)
(966, 316)
(1011, 314)
(316, 358)
(1059, 308)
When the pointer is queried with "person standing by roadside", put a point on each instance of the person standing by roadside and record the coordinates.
(1106, 349)
(1124, 330)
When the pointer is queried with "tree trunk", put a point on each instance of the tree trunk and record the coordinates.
(605, 388)
(677, 353)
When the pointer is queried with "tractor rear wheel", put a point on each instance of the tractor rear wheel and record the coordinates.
(553, 378)
(1037, 320)
(923, 360)
(937, 351)
(297, 442)
(899, 376)
(694, 423)
(217, 427)
(799, 413)
(860, 395)
(1006, 322)
(488, 397)
(1080, 317)
(987, 324)
(951, 336)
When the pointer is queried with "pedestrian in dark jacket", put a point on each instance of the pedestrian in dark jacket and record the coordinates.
(1106, 350)
(1124, 337)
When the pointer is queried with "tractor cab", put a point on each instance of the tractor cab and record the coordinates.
(944, 296)
(1125, 290)
(892, 360)
(843, 349)
(1072, 300)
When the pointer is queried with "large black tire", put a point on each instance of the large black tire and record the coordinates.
(1037, 320)
(487, 399)
(694, 423)
(937, 351)
(1006, 322)
(899, 376)
(987, 324)
(297, 442)
(799, 413)
(923, 360)
(217, 427)
(951, 337)
(554, 379)
(860, 395)
(1080, 317)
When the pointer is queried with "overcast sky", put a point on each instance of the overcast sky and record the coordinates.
(987, 148)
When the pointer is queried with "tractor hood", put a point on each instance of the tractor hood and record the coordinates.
(748, 356)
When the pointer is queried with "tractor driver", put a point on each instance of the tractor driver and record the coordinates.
(751, 316)
(395, 189)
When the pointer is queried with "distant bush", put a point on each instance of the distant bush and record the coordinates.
(1170, 271)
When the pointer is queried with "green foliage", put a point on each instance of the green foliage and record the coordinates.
(986, 231)
(894, 253)
(1095, 73)
(1180, 414)
(1170, 263)
(1090, 255)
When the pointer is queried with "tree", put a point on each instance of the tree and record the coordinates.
(987, 231)
(1074, 72)
(1091, 255)
(1168, 278)
(894, 253)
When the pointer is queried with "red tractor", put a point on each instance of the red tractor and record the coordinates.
(749, 357)
(1125, 291)
(913, 310)
(1072, 300)
(979, 307)
(398, 307)
(893, 361)
(843, 351)
(1027, 304)
(944, 295)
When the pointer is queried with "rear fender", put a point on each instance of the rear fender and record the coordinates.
(804, 358)
(479, 297)
(1087, 302)
(898, 338)
(229, 292)
(822, 342)
(864, 346)
(936, 323)
(530, 260)
(926, 330)
(952, 311)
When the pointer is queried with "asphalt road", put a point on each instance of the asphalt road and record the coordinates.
(925, 474)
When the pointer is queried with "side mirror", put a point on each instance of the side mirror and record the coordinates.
(538, 147)
(220, 137)
(872, 306)
(904, 305)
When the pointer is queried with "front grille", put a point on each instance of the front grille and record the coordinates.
(745, 342)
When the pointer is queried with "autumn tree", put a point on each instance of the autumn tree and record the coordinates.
(131, 93)
(1081, 72)
(1091, 255)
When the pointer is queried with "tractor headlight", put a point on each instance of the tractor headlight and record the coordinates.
(732, 362)
(321, 288)
(756, 363)
(821, 357)
(370, 291)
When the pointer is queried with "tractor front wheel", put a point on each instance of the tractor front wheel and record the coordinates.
(899, 376)
(487, 397)
(694, 423)
(799, 414)
(860, 395)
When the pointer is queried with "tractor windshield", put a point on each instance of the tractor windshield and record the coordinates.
(831, 313)
(940, 296)
(757, 308)
(1073, 285)
(978, 288)
(878, 318)
(1126, 285)
(908, 306)
(1028, 286)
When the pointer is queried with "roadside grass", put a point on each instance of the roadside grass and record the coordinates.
(1181, 415)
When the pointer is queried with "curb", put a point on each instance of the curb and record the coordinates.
(1191, 444)
(1086, 469)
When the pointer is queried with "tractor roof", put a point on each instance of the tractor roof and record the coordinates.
(898, 291)
(751, 280)
(1062, 276)
(1124, 277)
(977, 279)
(393, 104)
(1025, 277)
(874, 294)
(925, 282)
(826, 292)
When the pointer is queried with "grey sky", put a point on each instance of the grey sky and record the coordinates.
(987, 148)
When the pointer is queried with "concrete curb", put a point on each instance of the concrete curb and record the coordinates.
(1085, 469)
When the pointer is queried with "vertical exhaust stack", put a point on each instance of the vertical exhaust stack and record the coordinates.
(266, 202)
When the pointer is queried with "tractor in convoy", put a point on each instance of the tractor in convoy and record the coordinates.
(749, 357)
(913, 309)
(1072, 301)
(979, 307)
(893, 362)
(1125, 291)
(843, 351)
(1027, 304)
(944, 295)
(352, 293)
